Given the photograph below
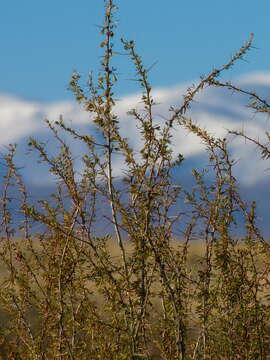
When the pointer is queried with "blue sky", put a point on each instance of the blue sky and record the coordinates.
(42, 41)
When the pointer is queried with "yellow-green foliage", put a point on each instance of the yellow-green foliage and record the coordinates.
(68, 293)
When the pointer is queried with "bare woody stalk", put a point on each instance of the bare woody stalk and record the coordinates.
(157, 160)
(149, 139)
(6, 221)
(193, 91)
(111, 134)
(110, 120)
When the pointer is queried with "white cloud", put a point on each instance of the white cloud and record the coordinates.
(255, 78)
(16, 118)
(214, 110)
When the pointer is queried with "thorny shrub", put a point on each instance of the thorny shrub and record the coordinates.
(65, 294)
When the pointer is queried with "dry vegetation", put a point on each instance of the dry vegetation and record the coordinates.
(67, 293)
